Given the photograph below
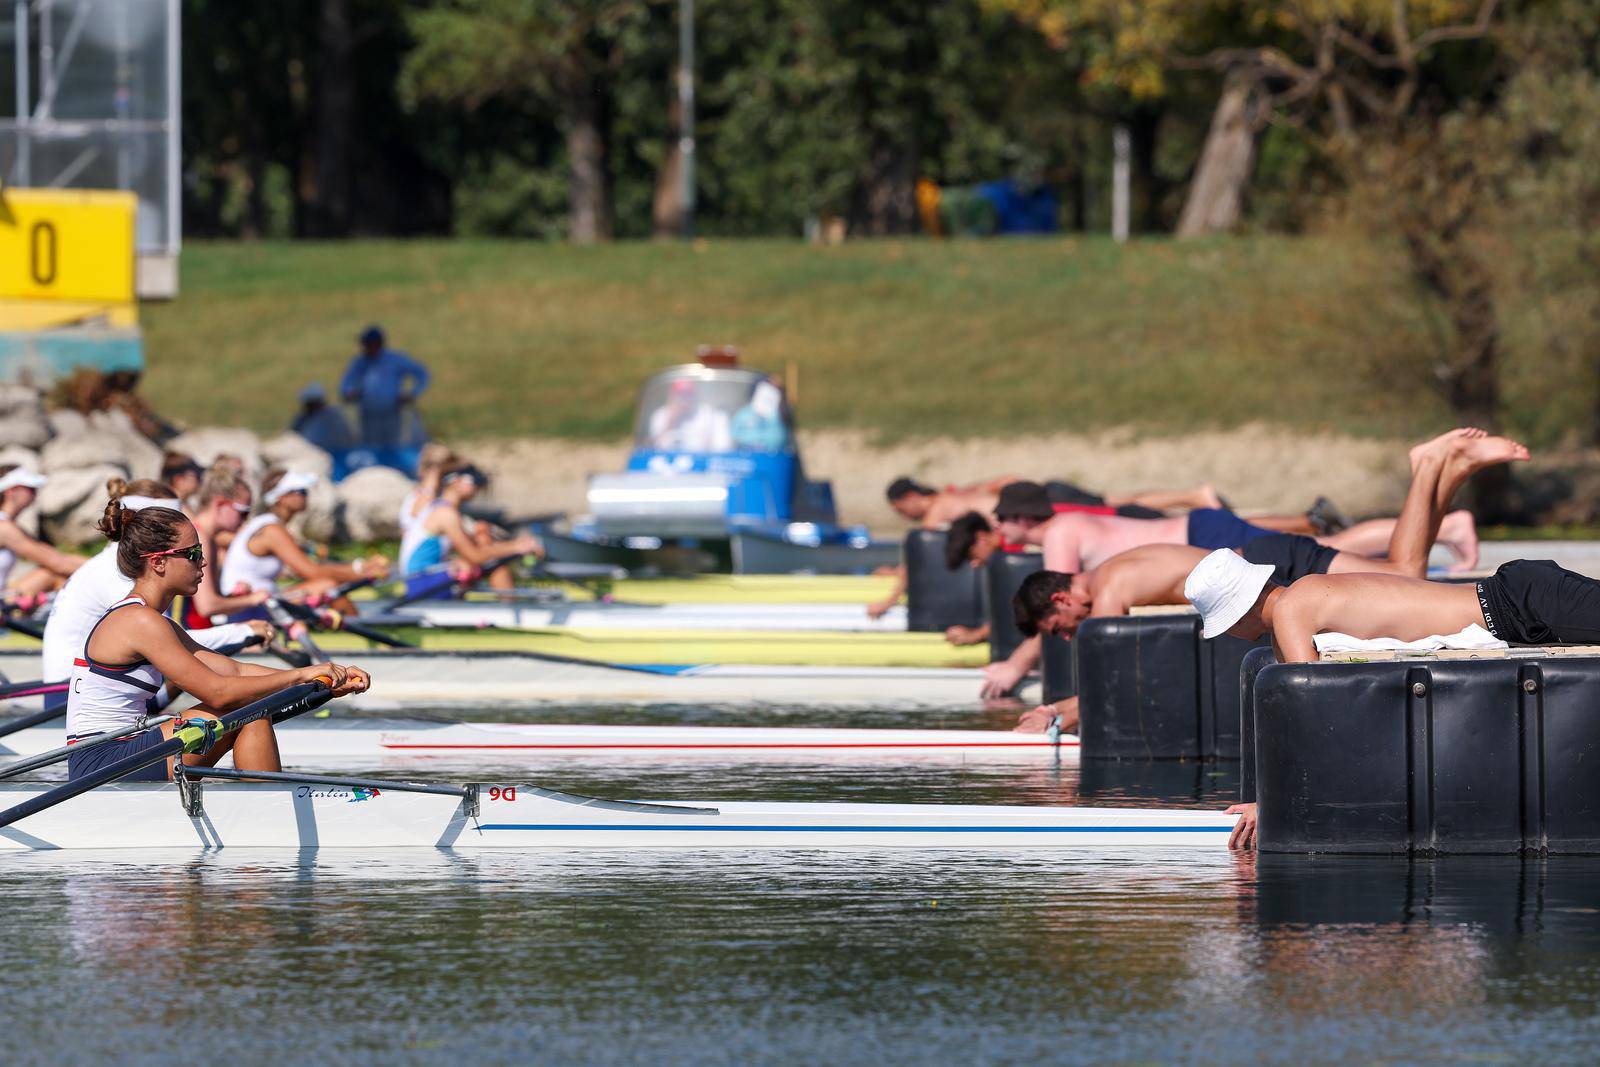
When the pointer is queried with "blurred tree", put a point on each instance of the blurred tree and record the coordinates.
(563, 54)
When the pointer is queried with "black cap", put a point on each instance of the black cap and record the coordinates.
(905, 487)
(1024, 500)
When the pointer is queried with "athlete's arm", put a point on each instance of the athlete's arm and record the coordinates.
(446, 521)
(879, 608)
(153, 636)
(38, 552)
(274, 540)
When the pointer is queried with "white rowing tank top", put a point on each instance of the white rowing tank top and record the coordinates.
(8, 558)
(243, 567)
(103, 696)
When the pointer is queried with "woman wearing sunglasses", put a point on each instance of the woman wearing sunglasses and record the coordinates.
(222, 503)
(98, 584)
(135, 649)
(263, 547)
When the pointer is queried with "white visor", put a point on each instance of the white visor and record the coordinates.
(134, 502)
(1223, 587)
(22, 476)
(293, 482)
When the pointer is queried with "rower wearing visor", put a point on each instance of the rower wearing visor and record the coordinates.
(263, 548)
(52, 567)
(438, 551)
(134, 649)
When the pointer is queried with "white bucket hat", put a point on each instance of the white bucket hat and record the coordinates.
(292, 482)
(22, 476)
(1222, 587)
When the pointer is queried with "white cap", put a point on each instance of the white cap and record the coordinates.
(22, 476)
(292, 482)
(135, 502)
(1223, 587)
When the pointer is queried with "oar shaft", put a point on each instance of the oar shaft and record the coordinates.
(23, 627)
(38, 718)
(295, 700)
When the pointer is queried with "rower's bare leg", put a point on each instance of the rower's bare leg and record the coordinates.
(1203, 496)
(1295, 524)
(1370, 538)
(254, 746)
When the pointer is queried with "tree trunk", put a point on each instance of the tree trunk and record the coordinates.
(667, 205)
(1216, 194)
(327, 210)
(589, 210)
(886, 201)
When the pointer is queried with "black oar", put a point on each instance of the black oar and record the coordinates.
(315, 619)
(425, 594)
(283, 620)
(22, 626)
(195, 735)
(38, 718)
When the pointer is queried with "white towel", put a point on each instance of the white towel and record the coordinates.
(1473, 637)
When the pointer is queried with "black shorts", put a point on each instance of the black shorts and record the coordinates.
(1291, 556)
(1536, 602)
(1067, 493)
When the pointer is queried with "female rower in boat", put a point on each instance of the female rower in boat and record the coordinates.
(18, 487)
(221, 503)
(263, 547)
(438, 535)
(135, 648)
(98, 584)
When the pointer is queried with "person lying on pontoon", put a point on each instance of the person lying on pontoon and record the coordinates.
(134, 649)
(1530, 602)
(1052, 602)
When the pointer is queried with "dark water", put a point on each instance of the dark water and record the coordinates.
(851, 958)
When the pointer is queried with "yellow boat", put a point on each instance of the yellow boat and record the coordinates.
(695, 647)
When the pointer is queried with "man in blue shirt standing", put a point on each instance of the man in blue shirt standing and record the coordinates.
(381, 381)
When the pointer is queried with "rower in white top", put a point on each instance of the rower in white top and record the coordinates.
(135, 648)
(264, 547)
(99, 584)
(18, 487)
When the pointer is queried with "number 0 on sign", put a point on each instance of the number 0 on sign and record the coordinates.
(66, 244)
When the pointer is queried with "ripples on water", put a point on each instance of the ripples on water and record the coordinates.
(864, 957)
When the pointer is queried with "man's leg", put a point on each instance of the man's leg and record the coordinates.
(1171, 499)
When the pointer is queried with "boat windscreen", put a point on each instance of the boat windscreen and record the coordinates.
(712, 411)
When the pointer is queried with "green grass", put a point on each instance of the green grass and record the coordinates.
(901, 338)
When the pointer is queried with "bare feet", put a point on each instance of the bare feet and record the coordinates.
(1209, 494)
(1469, 455)
(1458, 531)
(1440, 446)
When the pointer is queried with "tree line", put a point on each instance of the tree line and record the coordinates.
(1461, 132)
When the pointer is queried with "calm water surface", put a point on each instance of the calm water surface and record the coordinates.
(863, 957)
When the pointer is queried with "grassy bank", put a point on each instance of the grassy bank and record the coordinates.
(901, 338)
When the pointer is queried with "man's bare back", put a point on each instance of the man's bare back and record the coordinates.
(1367, 606)
(1076, 542)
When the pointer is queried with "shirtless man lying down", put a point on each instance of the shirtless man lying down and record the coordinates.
(1055, 603)
(1529, 602)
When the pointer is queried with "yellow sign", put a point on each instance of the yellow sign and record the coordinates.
(67, 244)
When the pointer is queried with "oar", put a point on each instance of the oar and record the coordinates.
(56, 755)
(194, 735)
(286, 622)
(432, 589)
(26, 629)
(316, 620)
(28, 689)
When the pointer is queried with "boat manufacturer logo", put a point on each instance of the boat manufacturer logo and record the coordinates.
(354, 794)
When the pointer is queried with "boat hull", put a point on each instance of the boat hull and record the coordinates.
(272, 815)
(359, 739)
(406, 679)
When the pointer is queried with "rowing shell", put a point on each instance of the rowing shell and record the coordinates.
(274, 815)
(302, 743)
(592, 615)
(402, 678)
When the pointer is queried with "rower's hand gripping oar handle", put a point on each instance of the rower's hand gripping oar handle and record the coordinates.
(198, 735)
